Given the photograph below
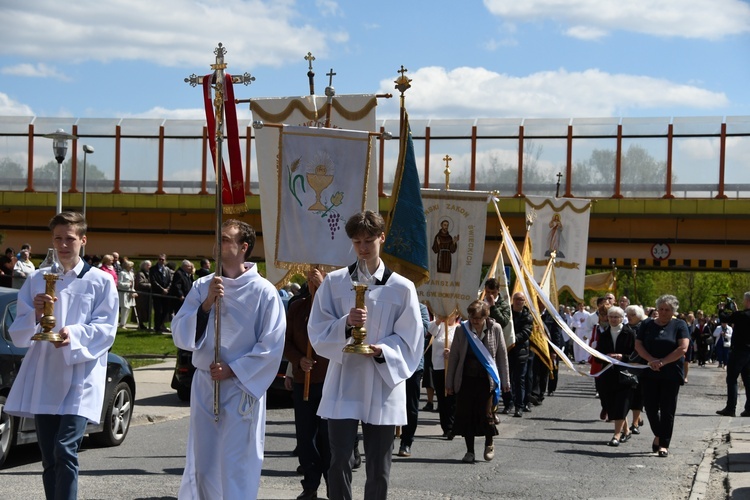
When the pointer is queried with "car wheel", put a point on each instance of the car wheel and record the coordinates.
(117, 419)
(183, 393)
(7, 431)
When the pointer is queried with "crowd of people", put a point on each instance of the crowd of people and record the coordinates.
(477, 369)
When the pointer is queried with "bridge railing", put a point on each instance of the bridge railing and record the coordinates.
(681, 157)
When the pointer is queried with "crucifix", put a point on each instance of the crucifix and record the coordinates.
(447, 159)
(330, 93)
(222, 94)
(557, 189)
(310, 73)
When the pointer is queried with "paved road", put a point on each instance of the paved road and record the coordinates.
(558, 451)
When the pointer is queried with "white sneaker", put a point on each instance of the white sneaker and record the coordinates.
(489, 452)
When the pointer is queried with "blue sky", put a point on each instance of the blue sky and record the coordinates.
(467, 59)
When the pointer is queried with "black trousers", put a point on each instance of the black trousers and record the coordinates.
(446, 404)
(312, 435)
(413, 390)
(660, 400)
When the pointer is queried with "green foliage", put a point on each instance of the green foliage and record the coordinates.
(49, 171)
(10, 169)
(130, 343)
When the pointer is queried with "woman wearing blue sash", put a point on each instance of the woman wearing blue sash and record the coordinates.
(477, 369)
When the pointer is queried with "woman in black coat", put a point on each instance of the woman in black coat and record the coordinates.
(615, 391)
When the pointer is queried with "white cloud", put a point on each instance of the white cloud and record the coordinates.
(9, 107)
(586, 33)
(478, 92)
(167, 32)
(40, 70)
(328, 8)
(706, 19)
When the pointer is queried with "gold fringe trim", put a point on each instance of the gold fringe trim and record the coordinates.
(236, 209)
(299, 105)
(564, 265)
(567, 204)
(412, 272)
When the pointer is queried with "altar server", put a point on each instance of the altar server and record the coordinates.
(224, 457)
(365, 387)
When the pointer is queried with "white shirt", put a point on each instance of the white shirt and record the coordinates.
(438, 342)
(70, 379)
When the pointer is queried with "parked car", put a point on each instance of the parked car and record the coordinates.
(119, 395)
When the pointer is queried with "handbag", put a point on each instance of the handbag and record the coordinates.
(627, 378)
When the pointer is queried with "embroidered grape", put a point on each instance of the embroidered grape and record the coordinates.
(333, 223)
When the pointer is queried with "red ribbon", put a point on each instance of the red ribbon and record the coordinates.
(232, 195)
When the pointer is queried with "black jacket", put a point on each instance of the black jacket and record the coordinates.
(522, 325)
(740, 321)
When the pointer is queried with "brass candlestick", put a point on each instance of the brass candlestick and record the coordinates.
(359, 333)
(48, 321)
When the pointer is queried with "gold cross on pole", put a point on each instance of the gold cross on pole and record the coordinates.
(310, 73)
(218, 84)
(447, 159)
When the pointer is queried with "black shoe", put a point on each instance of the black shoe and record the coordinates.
(428, 407)
(745, 413)
(533, 400)
(527, 408)
(614, 442)
(551, 393)
(518, 413)
(449, 435)
(507, 409)
(634, 429)
(726, 412)
(308, 495)
(404, 451)
(357, 459)
(626, 437)
(300, 470)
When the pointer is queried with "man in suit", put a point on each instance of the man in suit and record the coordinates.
(160, 278)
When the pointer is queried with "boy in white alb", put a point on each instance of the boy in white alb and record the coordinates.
(365, 387)
(224, 457)
(61, 384)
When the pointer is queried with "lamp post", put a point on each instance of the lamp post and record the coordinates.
(60, 149)
(87, 150)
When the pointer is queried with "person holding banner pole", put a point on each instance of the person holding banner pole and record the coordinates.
(477, 370)
(224, 456)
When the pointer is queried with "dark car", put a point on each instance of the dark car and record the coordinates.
(118, 397)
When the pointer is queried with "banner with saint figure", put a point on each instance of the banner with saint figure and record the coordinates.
(561, 225)
(456, 225)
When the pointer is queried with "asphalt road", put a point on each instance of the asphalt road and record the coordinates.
(558, 451)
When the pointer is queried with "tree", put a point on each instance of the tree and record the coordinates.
(10, 169)
(638, 168)
(49, 171)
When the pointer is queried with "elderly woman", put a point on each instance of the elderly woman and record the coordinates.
(107, 265)
(616, 341)
(143, 301)
(635, 316)
(126, 289)
(477, 359)
(662, 343)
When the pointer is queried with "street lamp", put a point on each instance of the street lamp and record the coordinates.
(60, 148)
(87, 150)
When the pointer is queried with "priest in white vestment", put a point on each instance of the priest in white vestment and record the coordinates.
(224, 457)
(365, 387)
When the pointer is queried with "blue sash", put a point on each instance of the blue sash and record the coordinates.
(484, 357)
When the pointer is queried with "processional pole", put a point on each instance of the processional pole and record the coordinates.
(218, 80)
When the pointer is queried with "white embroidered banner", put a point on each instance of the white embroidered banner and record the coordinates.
(561, 225)
(353, 112)
(324, 174)
(456, 222)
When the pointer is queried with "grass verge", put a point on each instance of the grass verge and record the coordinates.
(139, 346)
